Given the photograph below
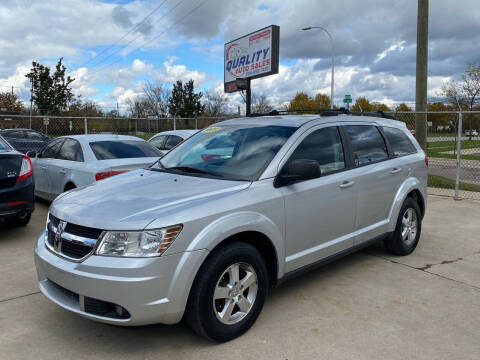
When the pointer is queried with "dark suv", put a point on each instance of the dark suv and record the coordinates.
(25, 140)
(16, 186)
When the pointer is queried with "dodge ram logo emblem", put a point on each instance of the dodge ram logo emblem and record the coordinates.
(57, 243)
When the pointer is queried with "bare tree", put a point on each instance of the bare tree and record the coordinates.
(155, 97)
(215, 103)
(261, 105)
(465, 94)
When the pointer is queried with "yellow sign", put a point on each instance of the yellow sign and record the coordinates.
(212, 129)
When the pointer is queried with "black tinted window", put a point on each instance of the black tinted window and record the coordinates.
(158, 141)
(323, 146)
(172, 141)
(33, 135)
(4, 145)
(71, 150)
(399, 142)
(52, 149)
(15, 134)
(123, 149)
(367, 144)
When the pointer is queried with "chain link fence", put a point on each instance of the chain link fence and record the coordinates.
(453, 150)
(453, 142)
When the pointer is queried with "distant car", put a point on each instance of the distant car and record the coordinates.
(167, 140)
(25, 140)
(69, 162)
(474, 132)
(16, 186)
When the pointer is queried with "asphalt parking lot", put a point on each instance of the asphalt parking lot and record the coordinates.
(365, 306)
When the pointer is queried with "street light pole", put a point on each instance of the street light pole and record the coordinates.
(333, 59)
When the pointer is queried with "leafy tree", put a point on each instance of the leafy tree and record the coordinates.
(10, 102)
(322, 101)
(440, 121)
(403, 108)
(184, 101)
(51, 93)
(301, 101)
(88, 108)
(378, 106)
(362, 104)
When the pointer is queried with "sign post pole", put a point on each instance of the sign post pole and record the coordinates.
(248, 99)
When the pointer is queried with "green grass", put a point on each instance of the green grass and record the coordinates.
(446, 183)
(436, 148)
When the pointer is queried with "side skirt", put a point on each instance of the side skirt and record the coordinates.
(304, 269)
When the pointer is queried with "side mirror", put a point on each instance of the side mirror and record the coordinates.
(31, 154)
(297, 170)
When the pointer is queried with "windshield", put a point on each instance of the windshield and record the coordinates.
(3, 145)
(233, 152)
(123, 149)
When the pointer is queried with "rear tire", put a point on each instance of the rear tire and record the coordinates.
(20, 220)
(228, 293)
(407, 231)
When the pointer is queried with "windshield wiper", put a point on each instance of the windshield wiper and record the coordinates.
(189, 169)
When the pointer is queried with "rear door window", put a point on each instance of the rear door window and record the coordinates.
(367, 143)
(15, 134)
(158, 142)
(71, 150)
(172, 141)
(399, 142)
(123, 149)
(52, 150)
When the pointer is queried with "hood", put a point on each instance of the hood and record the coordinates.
(133, 200)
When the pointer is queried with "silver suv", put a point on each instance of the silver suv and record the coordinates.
(232, 211)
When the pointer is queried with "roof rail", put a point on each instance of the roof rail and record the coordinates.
(326, 112)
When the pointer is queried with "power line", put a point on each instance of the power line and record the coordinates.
(136, 37)
(137, 26)
(157, 36)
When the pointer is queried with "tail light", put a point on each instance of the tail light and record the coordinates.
(426, 160)
(26, 170)
(107, 174)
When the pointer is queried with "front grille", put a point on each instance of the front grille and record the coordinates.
(78, 230)
(74, 249)
(104, 308)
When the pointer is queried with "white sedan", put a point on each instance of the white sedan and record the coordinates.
(69, 162)
(167, 140)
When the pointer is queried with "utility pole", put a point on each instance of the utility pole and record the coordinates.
(421, 74)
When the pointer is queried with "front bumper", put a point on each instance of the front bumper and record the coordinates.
(151, 290)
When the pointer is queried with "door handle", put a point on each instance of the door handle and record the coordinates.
(346, 184)
(63, 171)
(395, 170)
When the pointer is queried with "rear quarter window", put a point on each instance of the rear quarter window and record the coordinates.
(123, 149)
(399, 142)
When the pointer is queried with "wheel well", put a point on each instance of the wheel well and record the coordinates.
(69, 186)
(264, 245)
(417, 196)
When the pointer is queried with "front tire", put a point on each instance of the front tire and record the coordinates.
(407, 231)
(228, 293)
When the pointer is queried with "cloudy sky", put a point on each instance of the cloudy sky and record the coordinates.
(112, 47)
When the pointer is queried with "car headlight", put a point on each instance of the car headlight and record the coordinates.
(147, 243)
